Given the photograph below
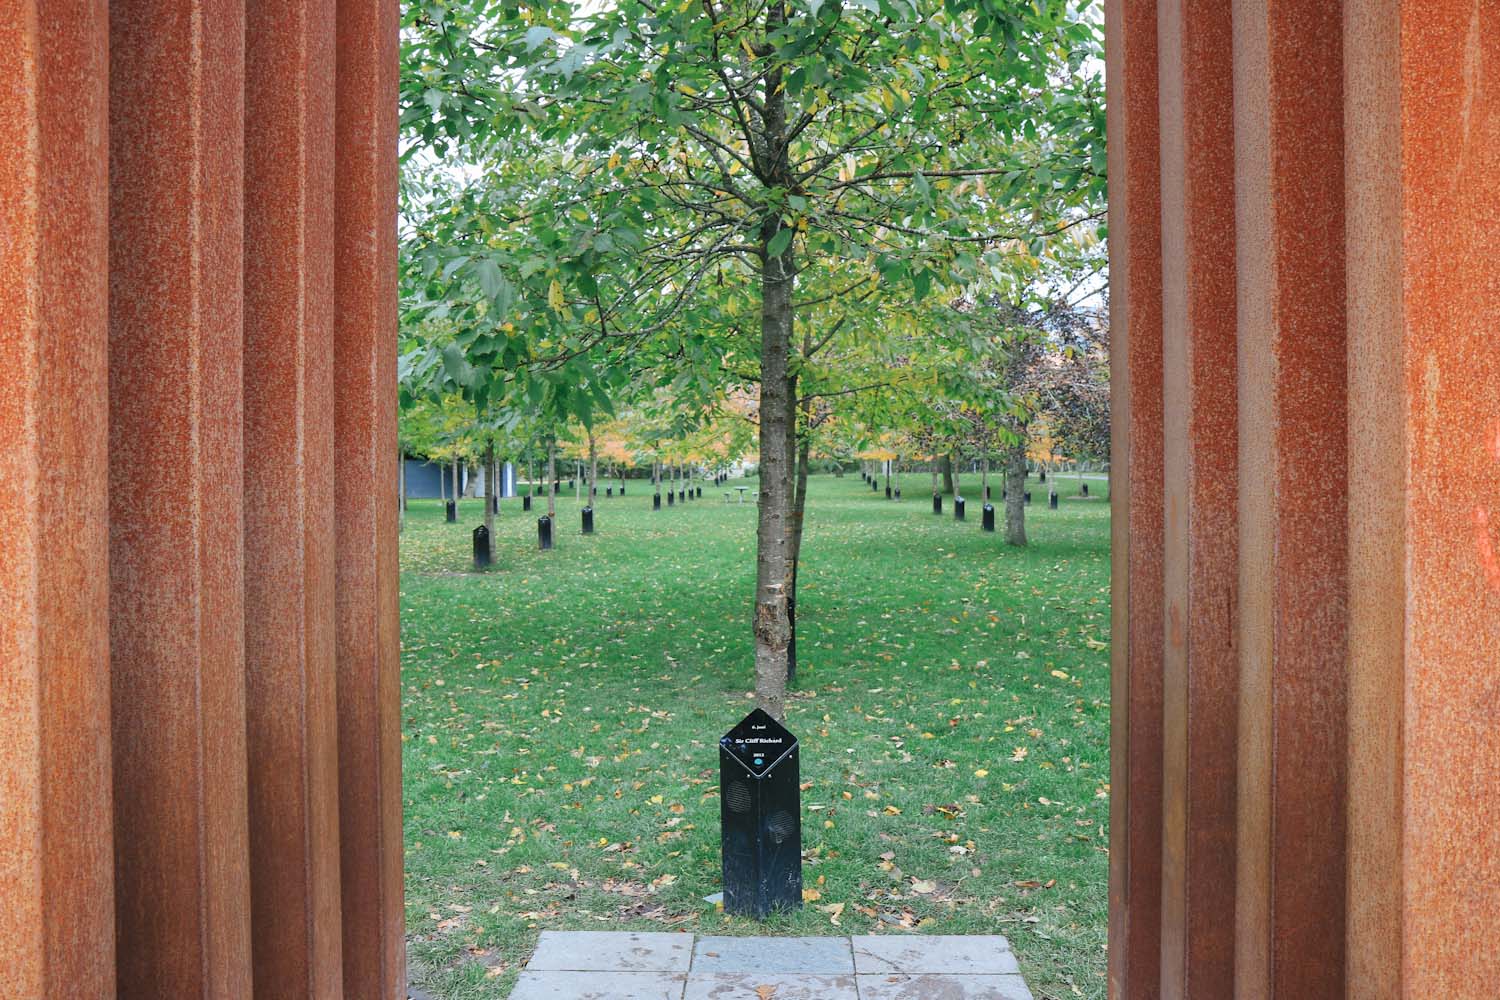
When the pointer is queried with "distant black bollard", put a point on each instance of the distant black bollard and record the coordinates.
(609, 491)
(760, 817)
(986, 492)
(700, 492)
(622, 489)
(544, 532)
(958, 508)
(874, 486)
(887, 492)
(682, 496)
(898, 493)
(1083, 489)
(452, 512)
(988, 519)
(1027, 497)
(481, 547)
(656, 502)
(1052, 501)
(1042, 477)
(588, 520)
(937, 503)
(671, 497)
(526, 502)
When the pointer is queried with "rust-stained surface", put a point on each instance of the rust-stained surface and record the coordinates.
(1135, 500)
(1450, 159)
(1290, 227)
(1200, 564)
(176, 580)
(365, 471)
(56, 865)
(292, 726)
(1377, 497)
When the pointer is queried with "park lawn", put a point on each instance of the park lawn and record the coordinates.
(560, 718)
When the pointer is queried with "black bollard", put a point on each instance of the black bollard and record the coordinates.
(609, 491)
(671, 497)
(958, 508)
(452, 512)
(526, 502)
(1027, 497)
(898, 493)
(986, 492)
(760, 817)
(874, 486)
(1042, 477)
(700, 492)
(988, 519)
(588, 520)
(656, 502)
(682, 496)
(544, 532)
(622, 489)
(1052, 501)
(481, 547)
(887, 492)
(1083, 489)
(937, 503)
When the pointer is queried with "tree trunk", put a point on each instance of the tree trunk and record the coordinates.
(552, 483)
(984, 478)
(491, 490)
(454, 467)
(956, 484)
(1015, 492)
(772, 626)
(947, 468)
(933, 463)
(593, 470)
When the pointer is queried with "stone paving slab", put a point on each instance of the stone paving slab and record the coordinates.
(599, 986)
(784, 986)
(612, 951)
(619, 965)
(830, 956)
(898, 987)
(972, 955)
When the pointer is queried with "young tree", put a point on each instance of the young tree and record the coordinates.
(922, 143)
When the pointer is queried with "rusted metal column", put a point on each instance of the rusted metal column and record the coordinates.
(292, 725)
(1200, 564)
(56, 916)
(1423, 131)
(1135, 491)
(182, 893)
(1289, 204)
(365, 470)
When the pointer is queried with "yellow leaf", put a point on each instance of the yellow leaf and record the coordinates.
(981, 773)
(1019, 755)
(811, 895)
(555, 296)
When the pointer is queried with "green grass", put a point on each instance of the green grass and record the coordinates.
(561, 715)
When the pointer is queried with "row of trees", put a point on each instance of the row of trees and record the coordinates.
(824, 221)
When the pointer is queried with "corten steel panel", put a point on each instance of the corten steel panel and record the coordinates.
(1200, 565)
(1425, 457)
(1135, 495)
(291, 720)
(365, 475)
(176, 559)
(1377, 495)
(1291, 315)
(56, 916)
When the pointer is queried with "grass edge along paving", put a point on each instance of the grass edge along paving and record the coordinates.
(561, 712)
